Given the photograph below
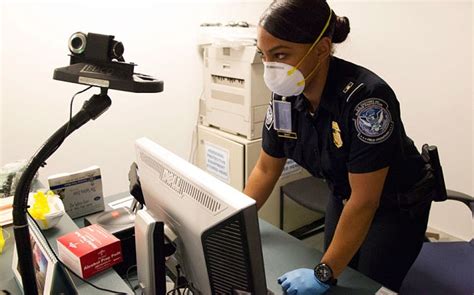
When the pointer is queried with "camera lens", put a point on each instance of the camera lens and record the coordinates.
(77, 43)
(117, 50)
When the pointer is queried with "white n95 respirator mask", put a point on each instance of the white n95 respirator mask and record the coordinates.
(278, 80)
(287, 80)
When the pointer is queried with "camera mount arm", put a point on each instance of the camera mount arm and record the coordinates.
(92, 63)
(91, 109)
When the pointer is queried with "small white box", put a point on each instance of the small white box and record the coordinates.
(89, 250)
(81, 191)
(235, 97)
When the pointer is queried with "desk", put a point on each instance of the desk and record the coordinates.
(107, 279)
(281, 253)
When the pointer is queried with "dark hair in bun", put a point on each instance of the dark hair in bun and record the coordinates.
(301, 21)
(341, 29)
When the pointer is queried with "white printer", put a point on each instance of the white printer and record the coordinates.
(235, 97)
(232, 112)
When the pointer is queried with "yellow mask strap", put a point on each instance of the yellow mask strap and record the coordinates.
(300, 83)
(290, 72)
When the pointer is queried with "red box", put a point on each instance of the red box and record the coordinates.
(89, 250)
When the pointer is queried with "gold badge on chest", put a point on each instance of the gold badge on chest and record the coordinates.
(336, 134)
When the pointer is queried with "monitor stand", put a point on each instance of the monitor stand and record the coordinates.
(150, 243)
(116, 218)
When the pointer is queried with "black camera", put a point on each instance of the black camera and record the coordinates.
(95, 47)
(98, 60)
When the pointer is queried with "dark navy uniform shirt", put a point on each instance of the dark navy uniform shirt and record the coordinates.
(355, 129)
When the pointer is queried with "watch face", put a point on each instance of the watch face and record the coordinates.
(323, 273)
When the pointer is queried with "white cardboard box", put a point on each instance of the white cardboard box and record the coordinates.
(81, 191)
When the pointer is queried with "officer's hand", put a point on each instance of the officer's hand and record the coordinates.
(302, 282)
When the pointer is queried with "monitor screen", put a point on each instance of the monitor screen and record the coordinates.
(43, 261)
(40, 264)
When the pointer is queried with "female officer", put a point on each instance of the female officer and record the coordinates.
(342, 123)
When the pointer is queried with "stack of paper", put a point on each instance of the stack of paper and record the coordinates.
(6, 209)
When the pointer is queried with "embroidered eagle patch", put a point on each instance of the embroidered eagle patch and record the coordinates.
(373, 121)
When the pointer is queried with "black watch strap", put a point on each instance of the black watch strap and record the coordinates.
(324, 274)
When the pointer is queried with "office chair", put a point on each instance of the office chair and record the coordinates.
(309, 192)
(443, 267)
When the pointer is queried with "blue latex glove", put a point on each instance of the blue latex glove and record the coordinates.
(302, 282)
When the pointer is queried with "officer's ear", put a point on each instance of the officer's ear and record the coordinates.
(324, 47)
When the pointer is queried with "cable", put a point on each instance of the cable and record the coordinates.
(72, 103)
(127, 277)
(178, 271)
(172, 291)
(64, 265)
(180, 283)
(70, 110)
(69, 122)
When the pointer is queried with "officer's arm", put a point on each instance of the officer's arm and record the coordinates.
(355, 219)
(263, 177)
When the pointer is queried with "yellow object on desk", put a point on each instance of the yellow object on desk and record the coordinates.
(2, 239)
(45, 208)
(40, 207)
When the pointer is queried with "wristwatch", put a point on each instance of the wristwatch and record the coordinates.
(324, 274)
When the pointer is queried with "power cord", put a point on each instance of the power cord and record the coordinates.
(65, 266)
(70, 119)
(127, 278)
(70, 108)
(179, 284)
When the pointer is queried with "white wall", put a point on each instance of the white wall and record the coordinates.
(423, 49)
(160, 36)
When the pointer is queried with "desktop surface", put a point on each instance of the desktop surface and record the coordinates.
(283, 253)
(108, 279)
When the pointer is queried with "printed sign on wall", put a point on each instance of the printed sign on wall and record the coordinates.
(291, 167)
(217, 161)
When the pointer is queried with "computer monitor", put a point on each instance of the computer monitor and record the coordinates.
(44, 262)
(50, 276)
(218, 242)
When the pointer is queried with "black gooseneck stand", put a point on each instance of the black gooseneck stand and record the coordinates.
(96, 60)
(91, 109)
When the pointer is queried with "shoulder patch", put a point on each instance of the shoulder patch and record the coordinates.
(269, 117)
(373, 121)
